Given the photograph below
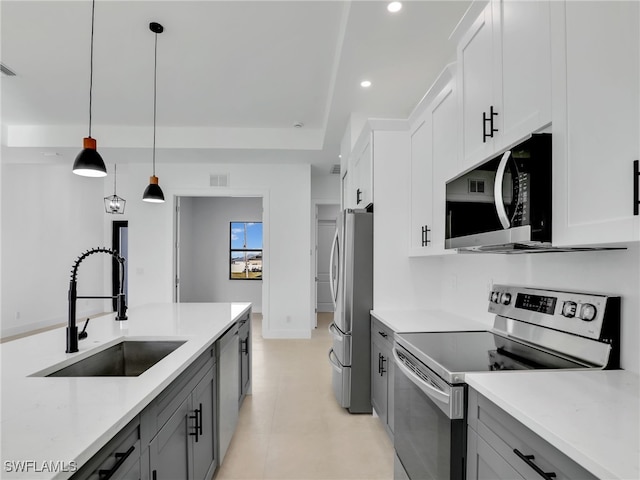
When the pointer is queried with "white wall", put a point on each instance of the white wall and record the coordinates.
(49, 217)
(205, 257)
(286, 193)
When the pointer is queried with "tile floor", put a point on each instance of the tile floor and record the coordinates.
(291, 426)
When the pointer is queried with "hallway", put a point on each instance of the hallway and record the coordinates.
(292, 427)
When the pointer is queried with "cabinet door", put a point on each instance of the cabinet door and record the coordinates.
(170, 455)
(444, 154)
(363, 165)
(421, 184)
(476, 66)
(203, 402)
(484, 463)
(595, 60)
(525, 48)
(379, 381)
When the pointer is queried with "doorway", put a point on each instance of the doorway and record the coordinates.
(325, 230)
(205, 251)
(120, 244)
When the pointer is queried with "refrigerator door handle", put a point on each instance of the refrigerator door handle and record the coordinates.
(335, 331)
(336, 363)
(332, 285)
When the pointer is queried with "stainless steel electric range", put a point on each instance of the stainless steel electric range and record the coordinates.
(533, 329)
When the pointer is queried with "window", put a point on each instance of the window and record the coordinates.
(246, 251)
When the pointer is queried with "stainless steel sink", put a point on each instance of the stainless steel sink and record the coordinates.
(128, 358)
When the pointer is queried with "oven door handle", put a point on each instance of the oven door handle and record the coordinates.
(497, 191)
(428, 389)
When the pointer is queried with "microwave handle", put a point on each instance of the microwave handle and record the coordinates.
(497, 191)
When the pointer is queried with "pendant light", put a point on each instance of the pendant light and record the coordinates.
(89, 163)
(113, 203)
(153, 193)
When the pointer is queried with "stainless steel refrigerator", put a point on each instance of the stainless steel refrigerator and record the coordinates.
(351, 280)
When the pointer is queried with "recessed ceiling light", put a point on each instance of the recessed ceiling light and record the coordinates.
(394, 7)
(365, 83)
(298, 125)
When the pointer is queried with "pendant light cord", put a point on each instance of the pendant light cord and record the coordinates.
(115, 172)
(155, 78)
(93, 16)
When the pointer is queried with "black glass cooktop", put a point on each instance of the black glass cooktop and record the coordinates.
(452, 354)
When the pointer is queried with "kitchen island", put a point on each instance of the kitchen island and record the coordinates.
(54, 425)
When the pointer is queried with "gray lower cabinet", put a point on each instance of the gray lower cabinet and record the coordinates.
(500, 447)
(117, 460)
(184, 418)
(382, 373)
(185, 446)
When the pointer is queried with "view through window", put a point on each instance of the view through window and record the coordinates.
(246, 251)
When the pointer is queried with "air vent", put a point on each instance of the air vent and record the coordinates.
(335, 169)
(6, 71)
(219, 179)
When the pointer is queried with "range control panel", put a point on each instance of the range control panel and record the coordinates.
(573, 312)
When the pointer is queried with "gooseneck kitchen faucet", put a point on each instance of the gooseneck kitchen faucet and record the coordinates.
(72, 329)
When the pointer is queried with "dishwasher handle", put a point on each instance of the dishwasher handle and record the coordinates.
(428, 389)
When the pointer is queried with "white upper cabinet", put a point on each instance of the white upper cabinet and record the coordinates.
(434, 152)
(363, 171)
(504, 79)
(596, 128)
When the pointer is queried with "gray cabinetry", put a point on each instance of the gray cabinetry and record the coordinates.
(118, 460)
(184, 418)
(382, 372)
(228, 393)
(500, 447)
(244, 336)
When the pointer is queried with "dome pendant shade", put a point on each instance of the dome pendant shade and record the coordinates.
(89, 163)
(153, 193)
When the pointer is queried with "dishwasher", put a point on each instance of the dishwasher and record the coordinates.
(229, 391)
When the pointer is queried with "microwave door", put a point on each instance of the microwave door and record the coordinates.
(498, 191)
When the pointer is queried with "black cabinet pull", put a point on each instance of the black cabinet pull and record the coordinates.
(200, 419)
(197, 429)
(488, 119)
(120, 457)
(358, 196)
(382, 334)
(528, 459)
(154, 475)
(636, 187)
(379, 363)
(425, 235)
(382, 370)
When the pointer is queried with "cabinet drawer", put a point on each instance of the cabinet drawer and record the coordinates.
(381, 334)
(513, 441)
(119, 457)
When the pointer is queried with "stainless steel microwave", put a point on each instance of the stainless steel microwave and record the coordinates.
(503, 204)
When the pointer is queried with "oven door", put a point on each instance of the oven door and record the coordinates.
(430, 433)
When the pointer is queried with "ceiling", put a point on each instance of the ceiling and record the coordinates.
(234, 77)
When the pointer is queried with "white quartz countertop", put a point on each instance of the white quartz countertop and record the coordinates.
(52, 422)
(404, 321)
(590, 416)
